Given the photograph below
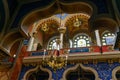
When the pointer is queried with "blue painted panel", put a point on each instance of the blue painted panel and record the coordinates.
(38, 53)
(24, 70)
(25, 42)
(79, 50)
(104, 69)
(59, 73)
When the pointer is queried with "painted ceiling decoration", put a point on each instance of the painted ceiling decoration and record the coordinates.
(78, 20)
(19, 8)
(62, 16)
(49, 24)
(64, 7)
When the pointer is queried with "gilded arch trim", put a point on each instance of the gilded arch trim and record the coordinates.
(34, 69)
(91, 69)
(83, 67)
(66, 71)
(114, 73)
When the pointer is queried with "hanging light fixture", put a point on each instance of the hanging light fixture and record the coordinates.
(77, 23)
(56, 60)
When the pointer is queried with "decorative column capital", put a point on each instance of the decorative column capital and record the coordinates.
(62, 29)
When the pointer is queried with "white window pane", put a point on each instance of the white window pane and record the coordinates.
(54, 46)
(109, 40)
(104, 43)
(81, 43)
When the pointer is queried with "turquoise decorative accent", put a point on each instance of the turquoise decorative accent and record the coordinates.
(79, 50)
(62, 16)
(38, 53)
(25, 42)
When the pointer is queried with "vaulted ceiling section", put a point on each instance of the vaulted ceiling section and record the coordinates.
(17, 17)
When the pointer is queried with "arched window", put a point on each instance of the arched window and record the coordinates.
(108, 38)
(81, 40)
(52, 44)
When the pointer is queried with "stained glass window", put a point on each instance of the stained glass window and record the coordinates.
(108, 38)
(52, 43)
(81, 41)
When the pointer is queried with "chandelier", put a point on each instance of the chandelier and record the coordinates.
(58, 57)
(77, 23)
(55, 62)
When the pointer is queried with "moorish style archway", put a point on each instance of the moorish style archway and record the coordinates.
(84, 68)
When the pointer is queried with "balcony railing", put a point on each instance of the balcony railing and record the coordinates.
(82, 53)
(80, 50)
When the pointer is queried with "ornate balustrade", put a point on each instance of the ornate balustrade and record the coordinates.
(94, 50)
(84, 54)
(81, 50)
(91, 49)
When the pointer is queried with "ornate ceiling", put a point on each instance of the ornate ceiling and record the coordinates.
(18, 17)
(15, 10)
(73, 22)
